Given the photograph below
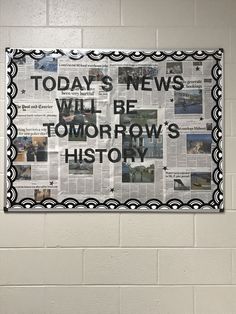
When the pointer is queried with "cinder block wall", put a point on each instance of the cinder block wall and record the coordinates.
(121, 263)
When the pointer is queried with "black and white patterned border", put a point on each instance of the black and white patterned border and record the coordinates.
(113, 205)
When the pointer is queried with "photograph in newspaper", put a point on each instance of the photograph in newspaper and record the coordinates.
(174, 67)
(80, 167)
(138, 172)
(23, 172)
(199, 143)
(188, 101)
(122, 130)
(141, 117)
(31, 148)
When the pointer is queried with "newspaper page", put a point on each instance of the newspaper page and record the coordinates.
(98, 129)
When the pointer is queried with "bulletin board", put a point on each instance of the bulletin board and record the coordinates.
(114, 130)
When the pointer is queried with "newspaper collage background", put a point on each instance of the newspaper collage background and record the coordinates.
(177, 164)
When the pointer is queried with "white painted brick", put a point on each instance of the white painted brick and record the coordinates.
(215, 300)
(228, 186)
(157, 12)
(24, 230)
(233, 40)
(156, 230)
(82, 230)
(214, 13)
(233, 10)
(4, 42)
(114, 37)
(20, 13)
(230, 80)
(22, 300)
(59, 300)
(45, 37)
(194, 37)
(194, 266)
(2, 153)
(2, 195)
(2, 80)
(120, 266)
(152, 300)
(40, 37)
(232, 117)
(2, 117)
(233, 266)
(230, 150)
(216, 230)
(228, 113)
(233, 191)
(40, 266)
(82, 300)
(84, 13)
